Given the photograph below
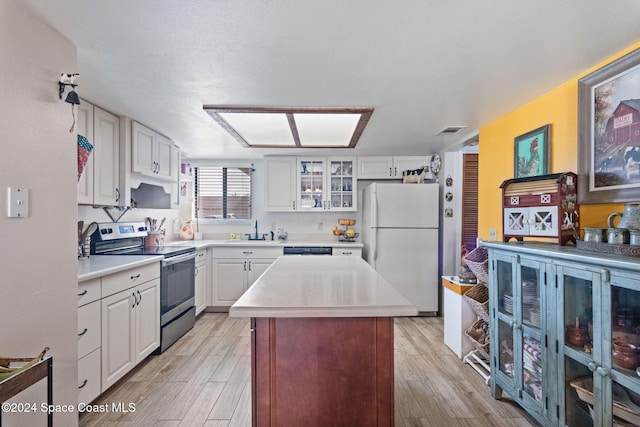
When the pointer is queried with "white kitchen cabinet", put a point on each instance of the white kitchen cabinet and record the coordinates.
(532, 221)
(235, 269)
(280, 184)
(153, 154)
(389, 167)
(343, 251)
(130, 320)
(84, 126)
(100, 181)
(202, 280)
(326, 184)
(89, 340)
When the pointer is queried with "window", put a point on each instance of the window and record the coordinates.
(222, 193)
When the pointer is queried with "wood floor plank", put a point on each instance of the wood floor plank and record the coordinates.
(204, 379)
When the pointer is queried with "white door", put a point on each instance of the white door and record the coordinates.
(163, 156)
(405, 205)
(280, 184)
(516, 221)
(85, 128)
(228, 280)
(118, 336)
(375, 167)
(107, 152)
(142, 146)
(543, 221)
(147, 318)
(408, 259)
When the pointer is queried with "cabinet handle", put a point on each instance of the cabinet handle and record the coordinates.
(133, 294)
(244, 266)
(346, 253)
(84, 383)
(592, 367)
(117, 194)
(158, 171)
(247, 252)
(294, 205)
(83, 293)
(395, 171)
(137, 276)
(390, 174)
(83, 332)
(196, 275)
(249, 265)
(602, 371)
(139, 299)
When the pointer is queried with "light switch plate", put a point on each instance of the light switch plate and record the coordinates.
(17, 202)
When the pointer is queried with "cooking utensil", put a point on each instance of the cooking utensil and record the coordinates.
(91, 228)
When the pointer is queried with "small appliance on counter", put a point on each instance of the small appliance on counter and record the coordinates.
(177, 275)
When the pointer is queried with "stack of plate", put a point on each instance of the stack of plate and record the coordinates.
(507, 303)
(529, 292)
(534, 316)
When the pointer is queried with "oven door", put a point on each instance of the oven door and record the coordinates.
(177, 286)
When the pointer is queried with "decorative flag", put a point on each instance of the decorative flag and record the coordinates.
(84, 152)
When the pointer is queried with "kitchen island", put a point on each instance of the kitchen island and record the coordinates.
(322, 343)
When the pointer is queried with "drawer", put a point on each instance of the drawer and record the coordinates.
(201, 256)
(117, 282)
(347, 252)
(89, 377)
(89, 291)
(89, 328)
(248, 252)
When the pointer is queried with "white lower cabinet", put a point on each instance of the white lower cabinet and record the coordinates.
(341, 251)
(130, 329)
(118, 326)
(235, 269)
(202, 278)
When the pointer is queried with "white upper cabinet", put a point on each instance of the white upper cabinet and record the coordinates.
(100, 180)
(326, 184)
(389, 167)
(84, 125)
(152, 154)
(107, 163)
(280, 184)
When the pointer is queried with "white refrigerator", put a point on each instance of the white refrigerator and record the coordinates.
(400, 237)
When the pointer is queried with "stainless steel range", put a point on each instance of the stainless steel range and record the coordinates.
(177, 277)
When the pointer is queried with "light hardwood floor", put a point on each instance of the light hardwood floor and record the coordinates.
(204, 380)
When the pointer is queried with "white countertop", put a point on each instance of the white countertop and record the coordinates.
(101, 265)
(321, 286)
(199, 244)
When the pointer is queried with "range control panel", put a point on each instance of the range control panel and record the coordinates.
(121, 230)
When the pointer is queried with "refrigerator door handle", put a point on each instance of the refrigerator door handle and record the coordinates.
(374, 222)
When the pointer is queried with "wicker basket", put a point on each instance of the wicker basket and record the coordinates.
(478, 332)
(478, 262)
(478, 299)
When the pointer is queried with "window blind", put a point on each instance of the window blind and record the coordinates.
(222, 193)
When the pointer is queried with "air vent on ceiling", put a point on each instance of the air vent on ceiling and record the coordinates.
(450, 130)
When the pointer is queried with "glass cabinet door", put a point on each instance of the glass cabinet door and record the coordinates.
(311, 176)
(342, 184)
(623, 322)
(579, 333)
(519, 341)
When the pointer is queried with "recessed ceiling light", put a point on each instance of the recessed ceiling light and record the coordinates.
(292, 127)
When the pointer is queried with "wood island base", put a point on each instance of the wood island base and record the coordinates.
(329, 371)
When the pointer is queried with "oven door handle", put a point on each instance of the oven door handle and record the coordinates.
(177, 259)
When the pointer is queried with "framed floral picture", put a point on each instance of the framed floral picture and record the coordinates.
(531, 153)
(609, 132)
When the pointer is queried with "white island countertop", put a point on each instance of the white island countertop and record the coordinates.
(321, 286)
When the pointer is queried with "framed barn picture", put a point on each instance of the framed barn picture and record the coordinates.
(531, 153)
(609, 132)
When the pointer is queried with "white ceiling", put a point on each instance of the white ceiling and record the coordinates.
(422, 64)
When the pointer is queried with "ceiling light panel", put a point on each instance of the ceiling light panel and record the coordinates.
(326, 130)
(261, 129)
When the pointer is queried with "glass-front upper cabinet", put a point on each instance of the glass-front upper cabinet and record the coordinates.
(519, 341)
(326, 184)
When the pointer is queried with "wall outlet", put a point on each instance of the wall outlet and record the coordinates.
(493, 234)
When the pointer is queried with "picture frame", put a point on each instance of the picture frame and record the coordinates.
(609, 132)
(532, 153)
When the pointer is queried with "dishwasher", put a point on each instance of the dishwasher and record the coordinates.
(307, 250)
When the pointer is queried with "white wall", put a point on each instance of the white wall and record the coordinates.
(38, 280)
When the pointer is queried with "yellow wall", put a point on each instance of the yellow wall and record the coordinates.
(558, 107)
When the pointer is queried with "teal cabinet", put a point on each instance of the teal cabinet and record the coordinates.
(565, 333)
